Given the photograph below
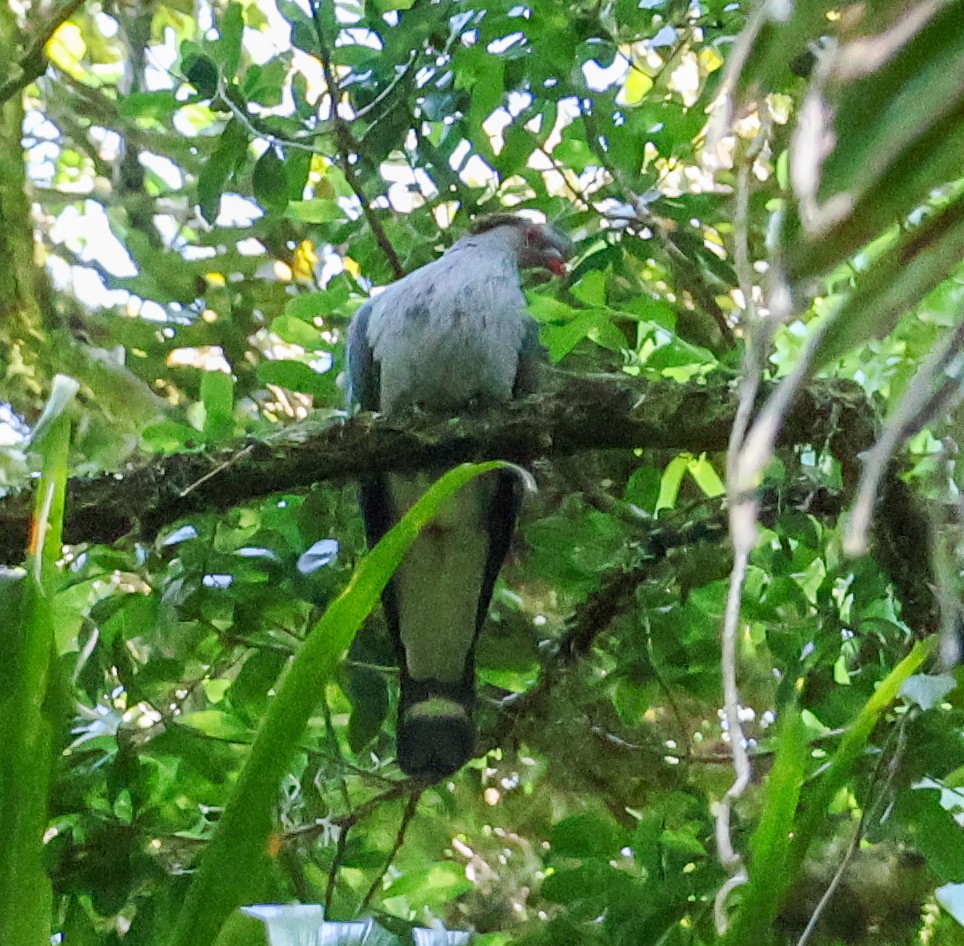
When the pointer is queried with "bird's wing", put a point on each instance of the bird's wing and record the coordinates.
(532, 358)
(363, 373)
(364, 392)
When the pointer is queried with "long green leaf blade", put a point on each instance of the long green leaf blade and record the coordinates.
(236, 857)
(769, 846)
(30, 707)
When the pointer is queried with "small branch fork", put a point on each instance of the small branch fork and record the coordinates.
(33, 63)
(684, 528)
(347, 146)
(342, 827)
(407, 817)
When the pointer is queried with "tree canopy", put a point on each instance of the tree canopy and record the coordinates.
(719, 696)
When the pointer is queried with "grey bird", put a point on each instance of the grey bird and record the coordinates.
(448, 337)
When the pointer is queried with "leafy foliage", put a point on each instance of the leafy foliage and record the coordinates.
(213, 196)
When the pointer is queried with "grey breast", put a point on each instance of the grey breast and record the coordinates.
(450, 333)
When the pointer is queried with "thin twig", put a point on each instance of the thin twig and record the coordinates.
(870, 811)
(375, 102)
(577, 192)
(598, 498)
(345, 824)
(335, 748)
(340, 848)
(347, 146)
(319, 827)
(240, 455)
(252, 128)
(407, 817)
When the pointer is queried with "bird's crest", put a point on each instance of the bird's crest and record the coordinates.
(491, 221)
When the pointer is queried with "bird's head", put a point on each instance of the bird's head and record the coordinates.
(537, 245)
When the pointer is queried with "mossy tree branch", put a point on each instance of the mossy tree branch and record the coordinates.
(603, 413)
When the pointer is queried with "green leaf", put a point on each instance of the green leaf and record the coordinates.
(167, 436)
(201, 72)
(25, 764)
(315, 210)
(432, 886)
(216, 724)
(293, 12)
(218, 169)
(671, 481)
(591, 288)
(594, 324)
(705, 476)
(34, 704)
(368, 692)
(217, 395)
(158, 106)
(297, 169)
(590, 881)
(265, 84)
(849, 750)
(931, 814)
(915, 90)
(643, 488)
(249, 691)
(896, 281)
(487, 89)
(295, 331)
(519, 145)
(586, 835)
(299, 93)
(294, 375)
(228, 47)
(770, 844)
(308, 305)
(270, 181)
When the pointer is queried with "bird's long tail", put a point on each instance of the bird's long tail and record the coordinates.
(435, 606)
(436, 727)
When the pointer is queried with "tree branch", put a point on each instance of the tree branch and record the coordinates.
(33, 63)
(602, 413)
(612, 412)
